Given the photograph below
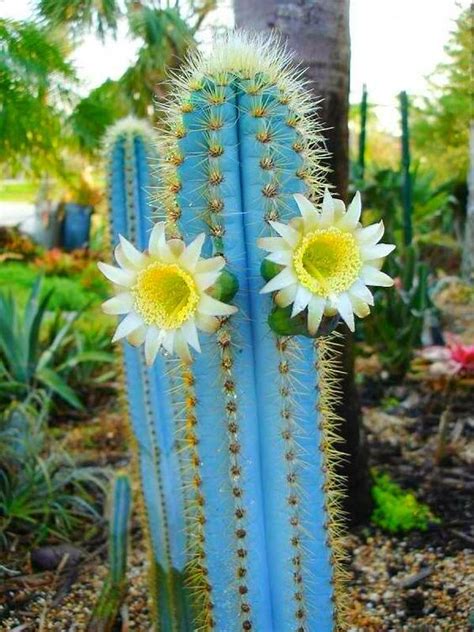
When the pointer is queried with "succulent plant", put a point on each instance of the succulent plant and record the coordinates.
(114, 588)
(237, 441)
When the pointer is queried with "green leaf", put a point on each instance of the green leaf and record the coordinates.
(48, 354)
(32, 333)
(87, 356)
(56, 384)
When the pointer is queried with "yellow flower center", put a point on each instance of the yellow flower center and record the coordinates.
(165, 295)
(327, 261)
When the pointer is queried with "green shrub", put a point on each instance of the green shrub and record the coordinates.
(395, 326)
(69, 294)
(397, 510)
(42, 491)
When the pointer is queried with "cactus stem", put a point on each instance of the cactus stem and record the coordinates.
(252, 125)
(128, 182)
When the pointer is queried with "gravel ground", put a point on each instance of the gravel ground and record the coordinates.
(397, 589)
(33, 599)
(394, 588)
(420, 582)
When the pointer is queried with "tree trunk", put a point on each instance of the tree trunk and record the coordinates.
(468, 250)
(318, 31)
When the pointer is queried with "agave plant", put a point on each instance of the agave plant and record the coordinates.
(31, 357)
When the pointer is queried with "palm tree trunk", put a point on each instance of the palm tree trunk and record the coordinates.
(319, 33)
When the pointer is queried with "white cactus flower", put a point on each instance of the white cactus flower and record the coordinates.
(328, 261)
(162, 293)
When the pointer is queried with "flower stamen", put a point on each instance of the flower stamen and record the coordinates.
(327, 261)
(165, 295)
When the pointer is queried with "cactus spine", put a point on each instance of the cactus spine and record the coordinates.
(236, 451)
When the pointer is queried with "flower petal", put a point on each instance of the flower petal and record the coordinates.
(370, 235)
(378, 251)
(302, 299)
(209, 324)
(131, 322)
(352, 216)
(137, 337)
(360, 308)
(182, 349)
(285, 297)
(125, 278)
(191, 253)
(169, 340)
(120, 304)
(158, 245)
(327, 209)
(289, 234)
(315, 314)
(190, 334)
(272, 244)
(372, 276)
(339, 208)
(344, 307)
(176, 246)
(135, 257)
(282, 279)
(153, 340)
(204, 280)
(157, 236)
(359, 290)
(212, 307)
(121, 259)
(307, 209)
(283, 257)
(210, 265)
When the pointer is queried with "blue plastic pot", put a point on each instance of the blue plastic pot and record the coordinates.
(76, 226)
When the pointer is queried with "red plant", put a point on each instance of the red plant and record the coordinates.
(453, 359)
(463, 356)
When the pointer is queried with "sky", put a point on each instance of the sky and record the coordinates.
(395, 45)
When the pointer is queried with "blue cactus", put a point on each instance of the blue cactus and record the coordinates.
(237, 448)
(243, 145)
(113, 592)
(154, 413)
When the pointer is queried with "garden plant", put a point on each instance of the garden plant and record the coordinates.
(229, 292)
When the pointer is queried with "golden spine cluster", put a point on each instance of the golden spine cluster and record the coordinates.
(197, 576)
(328, 348)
